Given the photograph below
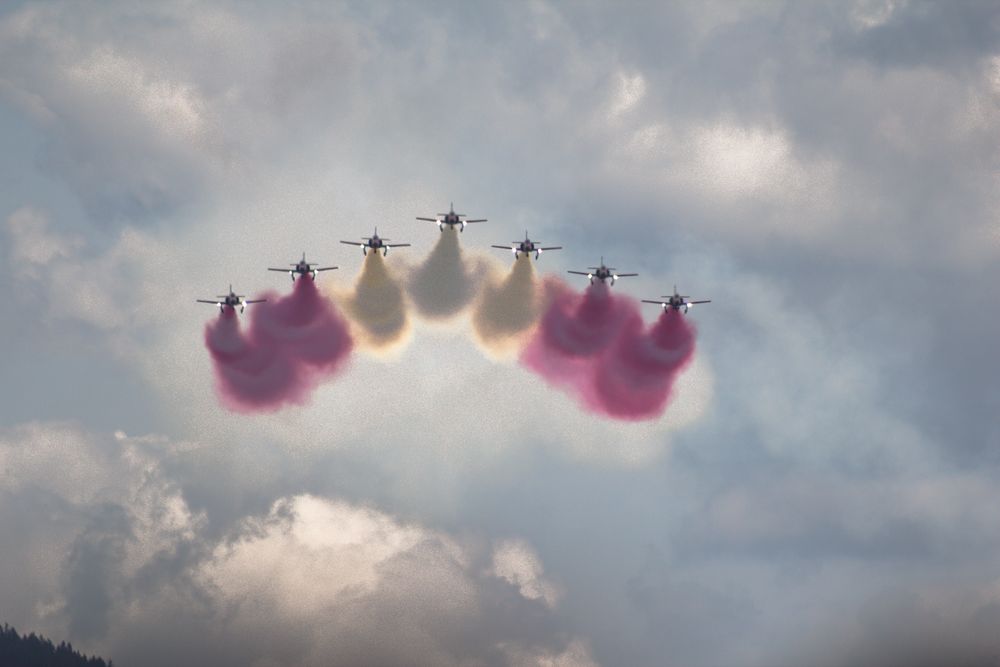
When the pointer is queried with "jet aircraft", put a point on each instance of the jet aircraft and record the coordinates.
(602, 273)
(304, 268)
(451, 219)
(527, 246)
(231, 300)
(376, 243)
(676, 301)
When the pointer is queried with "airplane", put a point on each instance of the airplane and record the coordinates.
(374, 242)
(451, 219)
(304, 268)
(231, 300)
(602, 273)
(527, 246)
(676, 301)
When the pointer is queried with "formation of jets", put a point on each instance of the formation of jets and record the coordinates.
(527, 247)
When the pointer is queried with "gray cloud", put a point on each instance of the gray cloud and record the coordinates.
(91, 572)
(900, 627)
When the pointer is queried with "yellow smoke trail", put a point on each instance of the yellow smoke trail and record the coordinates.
(507, 309)
(377, 306)
(443, 285)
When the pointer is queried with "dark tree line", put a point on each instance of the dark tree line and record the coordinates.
(34, 651)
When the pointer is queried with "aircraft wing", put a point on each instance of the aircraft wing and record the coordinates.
(625, 275)
(397, 245)
(691, 303)
(255, 301)
(502, 247)
(479, 220)
(552, 247)
(353, 242)
(214, 303)
(579, 273)
(428, 219)
(658, 303)
(282, 270)
(325, 268)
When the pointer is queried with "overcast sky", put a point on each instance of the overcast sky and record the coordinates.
(823, 490)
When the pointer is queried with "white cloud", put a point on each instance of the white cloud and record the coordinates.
(121, 291)
(723, 170)
(171, 107)
(33, 247)
(868, 14)
(516, 562)
(576, 654)
(631, 90)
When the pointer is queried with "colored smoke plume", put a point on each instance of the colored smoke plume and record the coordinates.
(582, 326)
(594, 346)
(443, 285)
(292, 344)
(635, 380)
(378, 306)
(507, 308)
(574, 332)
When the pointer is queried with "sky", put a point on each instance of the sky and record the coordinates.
(820, 491)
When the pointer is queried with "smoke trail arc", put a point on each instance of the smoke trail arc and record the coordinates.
(593, 345)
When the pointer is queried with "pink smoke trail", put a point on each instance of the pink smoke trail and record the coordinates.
(574, 330)
(635, 380)
(293, 343)
(594, 346)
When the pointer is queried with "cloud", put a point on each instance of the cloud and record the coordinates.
(312, 581)
(576, 654)
(186, 118)
(33, 246)
(902, 627)
(85, 532)
(899, 517)
(516, 562)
